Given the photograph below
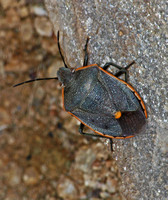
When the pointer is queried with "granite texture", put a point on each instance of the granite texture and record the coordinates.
(122, 31)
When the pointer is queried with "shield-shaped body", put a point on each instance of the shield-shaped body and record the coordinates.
(94, 95)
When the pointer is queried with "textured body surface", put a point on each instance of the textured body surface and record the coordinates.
(94, 97)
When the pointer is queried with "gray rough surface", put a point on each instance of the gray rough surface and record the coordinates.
(121, 31)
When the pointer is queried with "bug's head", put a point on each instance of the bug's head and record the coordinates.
(65, 75)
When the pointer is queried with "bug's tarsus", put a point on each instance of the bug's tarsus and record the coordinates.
(85, 63)
(111, 144)
(37, 79)
(59, 48)
(129, 65)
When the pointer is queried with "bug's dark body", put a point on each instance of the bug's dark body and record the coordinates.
(93, 96)
(100, 100)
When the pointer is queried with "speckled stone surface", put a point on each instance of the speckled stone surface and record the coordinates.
(42, 154)
(122, 31)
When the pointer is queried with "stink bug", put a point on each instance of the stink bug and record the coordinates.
(100, 100)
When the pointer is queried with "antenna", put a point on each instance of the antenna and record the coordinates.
(59, 48)
(37, 79)
(41, 79)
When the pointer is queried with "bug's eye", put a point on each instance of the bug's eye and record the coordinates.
(73, 71)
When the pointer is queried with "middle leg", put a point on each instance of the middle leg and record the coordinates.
(81, 127)
(122, 70)
(85, 63)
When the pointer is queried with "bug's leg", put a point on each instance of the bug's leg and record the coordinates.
(124, 71)
(107, 65)
(81, 127)
(59, 48)
(86, 54)
(120, 72)
(111, 144)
